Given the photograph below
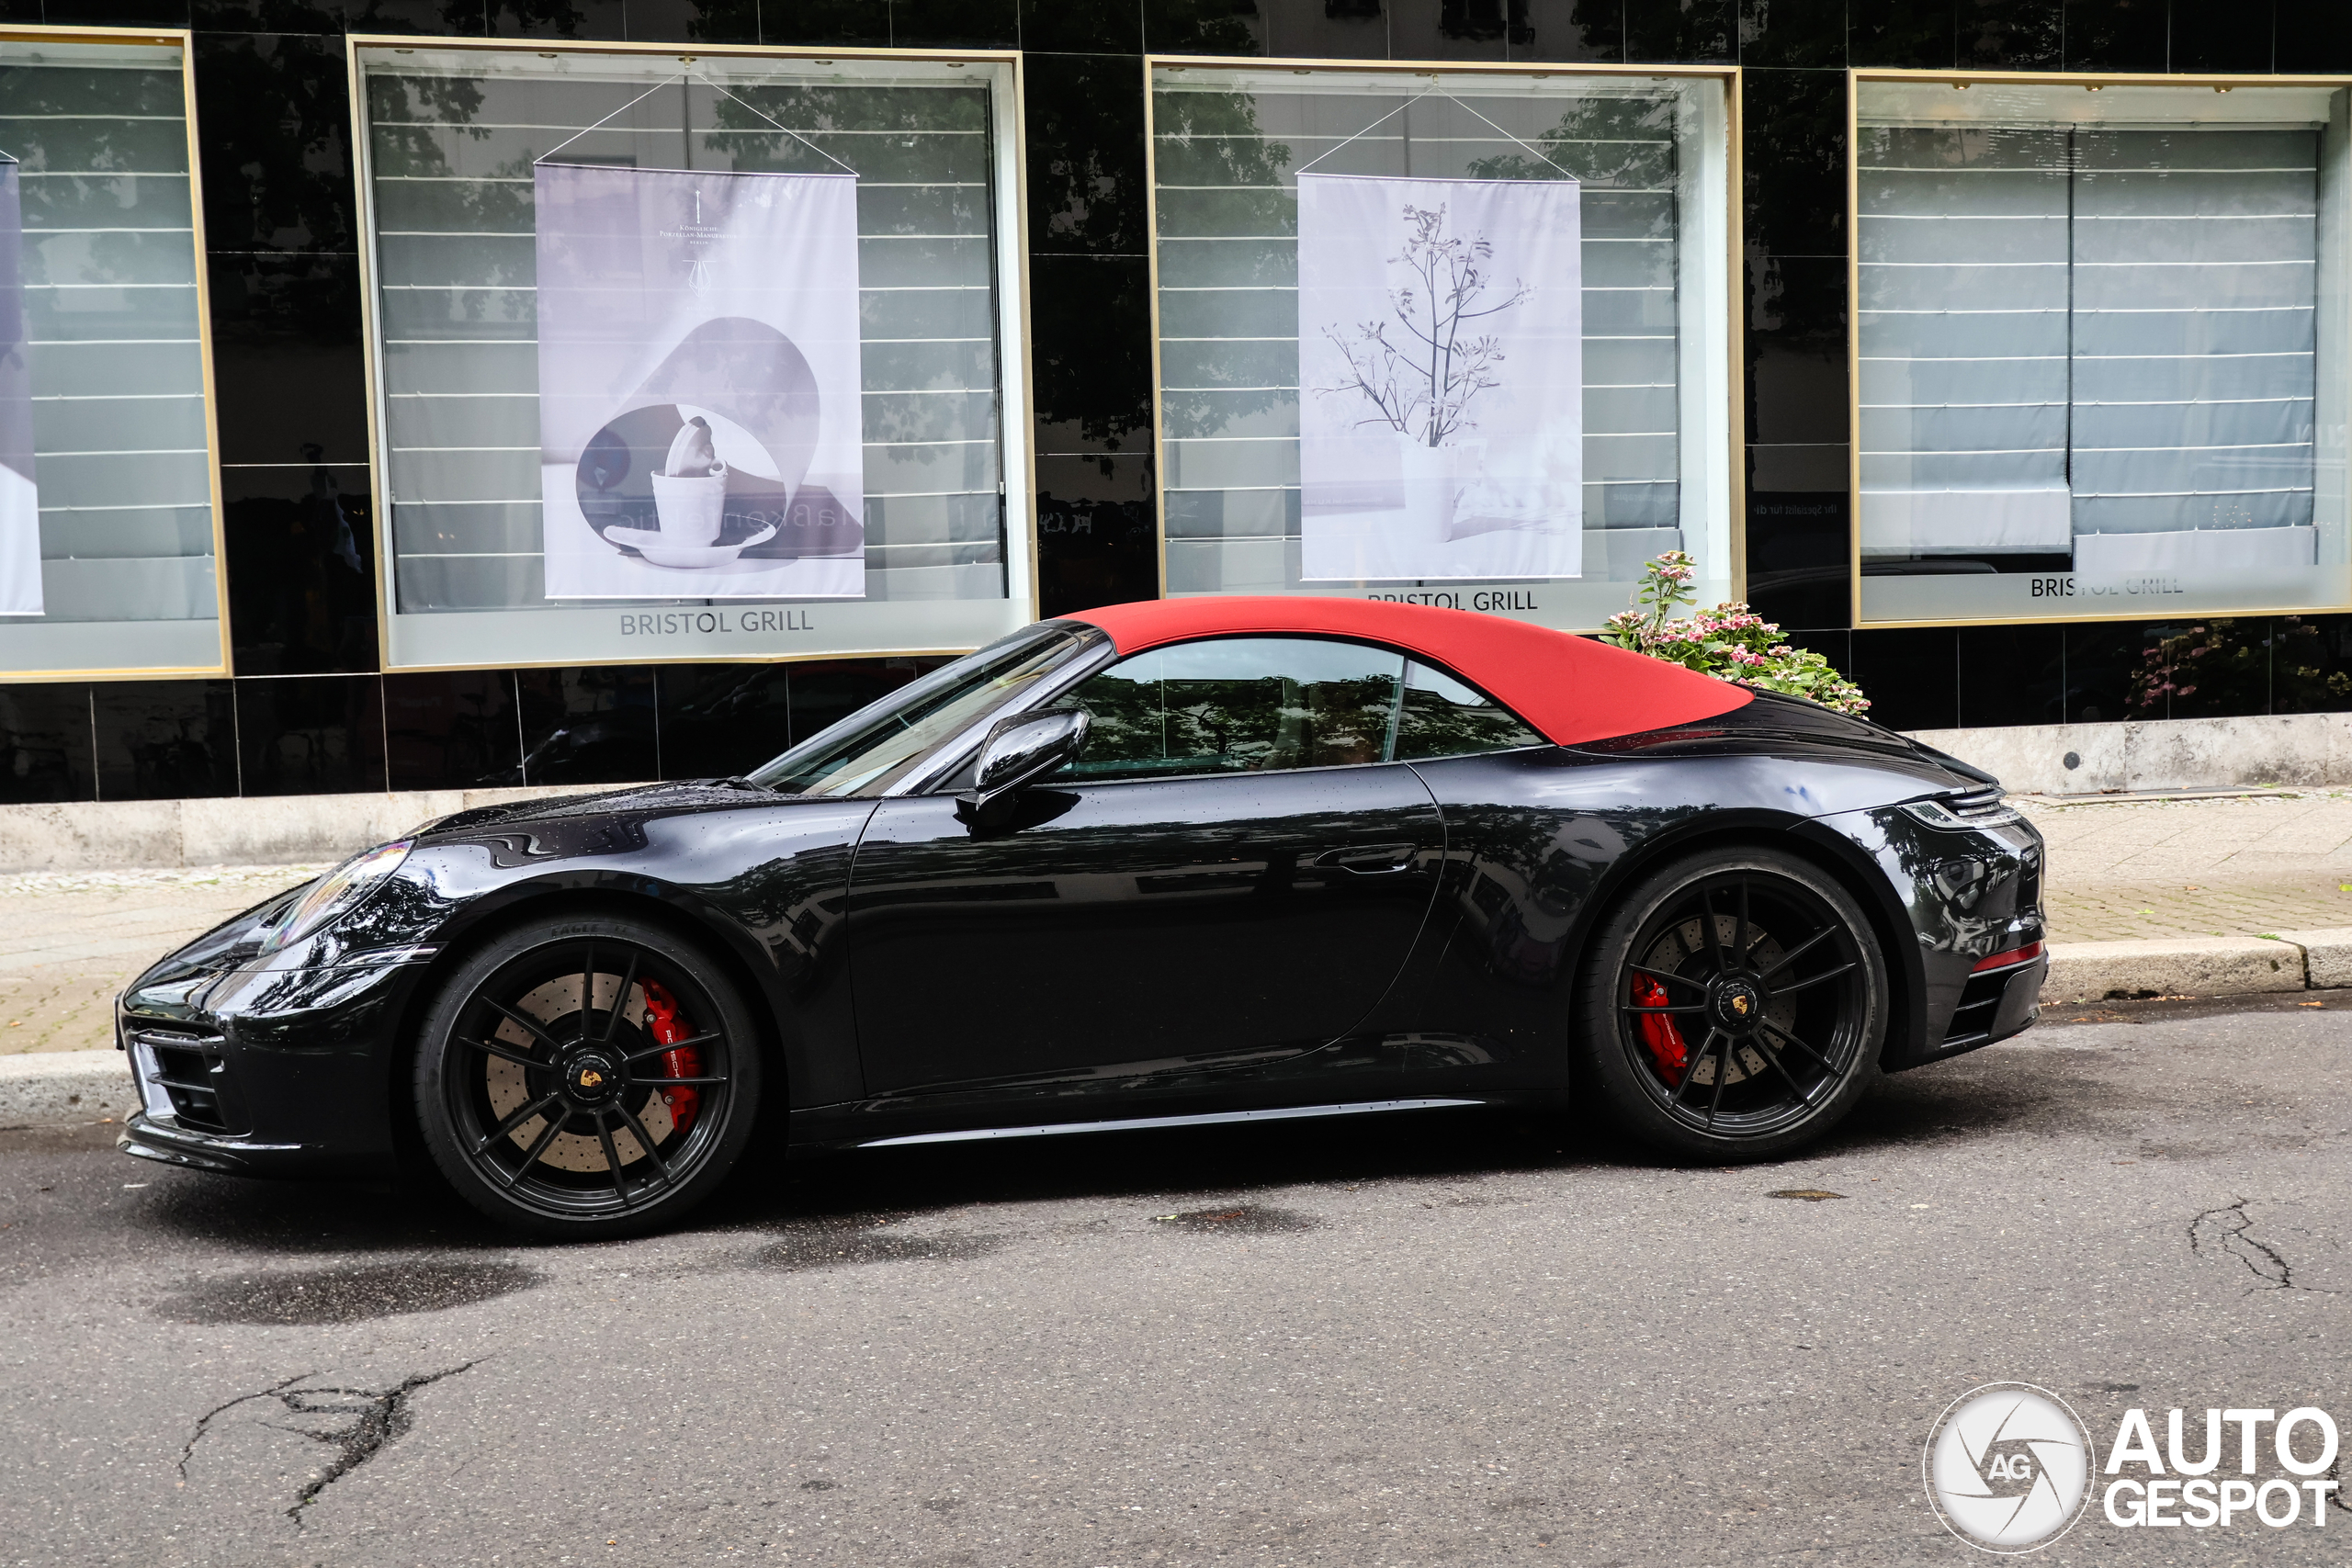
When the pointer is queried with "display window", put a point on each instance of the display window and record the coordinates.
(2099, 346)
(692, 356)
(1454, 336)
(109, 490)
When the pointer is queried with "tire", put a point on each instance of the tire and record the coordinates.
(1746, 1047)
(550, 1118)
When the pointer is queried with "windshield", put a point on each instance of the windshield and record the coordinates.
(880, 745)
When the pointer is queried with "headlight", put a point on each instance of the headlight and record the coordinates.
(1963, 812)
(337, 893)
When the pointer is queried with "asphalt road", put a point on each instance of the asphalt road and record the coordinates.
(1443, 1338)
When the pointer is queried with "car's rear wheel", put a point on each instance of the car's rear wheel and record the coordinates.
(1733, 1005)
(587, 1077)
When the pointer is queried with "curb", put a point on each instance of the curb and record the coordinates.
(2197, 966)
(49, 1089)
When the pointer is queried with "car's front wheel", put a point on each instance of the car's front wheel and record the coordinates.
(587, 1077)
(1733, 1005)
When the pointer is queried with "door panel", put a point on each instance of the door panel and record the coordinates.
(1131, 927)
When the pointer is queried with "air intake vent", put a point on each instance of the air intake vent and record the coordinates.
(190, 1073)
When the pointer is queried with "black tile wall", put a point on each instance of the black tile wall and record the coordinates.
(2311, 664)
(589, 726)
(2116, 35)
(1794, 138)
(1682, 31)
(301, 570)
(1096, 536)
(310, 734)
(1086, 165)
(288, 369)
(274, 118)
(1568, 31)
(1911, 675)
(1082, 27)
(46, 750)
(2012, 35)
(448, 729)
(608, 18)
(956, 24)
(2012, 675)
(691, 21)
(2221, 35)
(720, 720)
(164, 739)
(1914, 34)
(2105, 674)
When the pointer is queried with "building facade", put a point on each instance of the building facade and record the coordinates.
(371, 361)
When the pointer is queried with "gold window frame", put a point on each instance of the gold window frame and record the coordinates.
(1735, 418)
(1019, 416)
(2074, 609)
(185, 42)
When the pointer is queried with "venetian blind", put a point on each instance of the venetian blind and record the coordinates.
(116, 361)
(456, 261)
(2091, 340)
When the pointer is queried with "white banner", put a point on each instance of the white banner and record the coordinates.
(1440, 347)
(20, 592)
(699, 387)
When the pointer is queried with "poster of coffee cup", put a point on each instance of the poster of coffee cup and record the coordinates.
(21, 584)
(699, 385)
(1441, 333)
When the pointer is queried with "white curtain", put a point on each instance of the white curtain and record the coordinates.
(2071, 333)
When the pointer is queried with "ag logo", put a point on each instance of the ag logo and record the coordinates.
(2009, 1467)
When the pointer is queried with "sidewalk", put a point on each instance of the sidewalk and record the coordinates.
(2141, 869)
(2127, 870)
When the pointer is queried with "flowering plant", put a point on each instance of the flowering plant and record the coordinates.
(1730, 642)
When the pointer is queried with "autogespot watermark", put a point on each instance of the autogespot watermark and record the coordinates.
(2010, 1468)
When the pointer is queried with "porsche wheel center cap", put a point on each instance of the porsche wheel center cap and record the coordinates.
(1737, 1006)
(592, 1079)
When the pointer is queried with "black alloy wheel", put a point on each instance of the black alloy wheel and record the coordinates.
(587, 1078)
(1733, 1006)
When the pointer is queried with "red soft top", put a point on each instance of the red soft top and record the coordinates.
(1571, 688)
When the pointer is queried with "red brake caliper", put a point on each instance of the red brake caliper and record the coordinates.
(1659, 1033)
(669, 1026)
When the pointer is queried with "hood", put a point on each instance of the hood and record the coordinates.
(681, 794)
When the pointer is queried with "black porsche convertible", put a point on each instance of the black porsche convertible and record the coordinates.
(1200, 860)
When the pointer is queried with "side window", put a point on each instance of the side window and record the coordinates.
(1442, 717)
(1239, 705)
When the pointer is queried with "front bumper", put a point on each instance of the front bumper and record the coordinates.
(266, 1072)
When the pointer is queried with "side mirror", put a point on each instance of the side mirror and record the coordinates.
(1018, 753)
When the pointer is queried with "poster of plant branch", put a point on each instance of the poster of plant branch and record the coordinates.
(1441, 344)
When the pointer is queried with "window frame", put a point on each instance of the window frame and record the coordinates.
(912, 627)
(184, 41)
(1079, 677)
(1727, 531)
(2062, 607)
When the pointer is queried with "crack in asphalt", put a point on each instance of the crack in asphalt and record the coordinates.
(382, 1416)
(188, 1449)
(2230, 1229)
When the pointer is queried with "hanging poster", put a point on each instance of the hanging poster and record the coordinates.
(1441, 344)
(699, 384)
(20, 589)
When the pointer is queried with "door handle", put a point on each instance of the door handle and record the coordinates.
(1368, 860)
